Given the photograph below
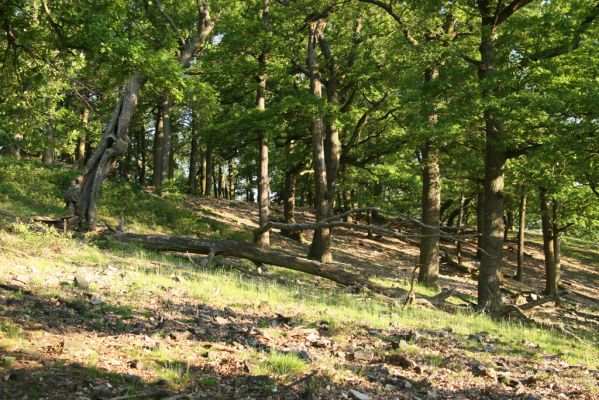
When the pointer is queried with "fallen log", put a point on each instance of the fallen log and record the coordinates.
(236, 249)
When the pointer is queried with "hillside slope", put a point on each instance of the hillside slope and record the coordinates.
(84, 317)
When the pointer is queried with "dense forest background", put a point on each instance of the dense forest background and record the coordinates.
(461, 113)
(299, 199)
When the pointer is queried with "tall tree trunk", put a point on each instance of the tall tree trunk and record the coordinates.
(521, 227)
(428, 273)
(263, 239)
(508, 224)
(158, 148)
(114, 144)
(548, 245)
(203, 175)
(193, 156)
(81, 139)
(459, 231)
(320, 249)
(49, 150)
(555, 230)
(489, 278)
(209, 171)
(231, 179)
(289, 189)
(332, 145)
(480, 216)
(166, 138)
(142, 155)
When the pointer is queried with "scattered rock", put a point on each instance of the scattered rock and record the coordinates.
(530, 345)
(22, 279)
(322, 343)
(95, 301)
(478, 369)
(221, 320)
(312, 337)
(409, 336)
(15, 374)
(354, 394)
(71, 345)
(401, 360)
(81, 281)
(363, 355)
(180, 336)
(135, 364)
(402, 344)
(508, 381)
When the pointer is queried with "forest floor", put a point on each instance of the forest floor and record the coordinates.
(85, 317)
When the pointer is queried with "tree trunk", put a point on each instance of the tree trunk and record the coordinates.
(428, 272)
(158, 148)
(193, 157)
(231, 179)
(521, 227)
(166, 137)
(49, 150)
(508, 224)
(459, 230)
(263, 239)
(81, 139)
(114, 144)
(556, 269)
(203, 175)
(489, 277)
(320, 249)
(289, 202)
(480, 216)
(209, 171)
(142, 155)
(548, 245)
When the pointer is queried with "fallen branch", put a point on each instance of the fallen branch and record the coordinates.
(236, 249)
(331, 222)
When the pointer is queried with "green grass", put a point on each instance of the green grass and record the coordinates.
(307, 299)
(281, 365)
(29, 188)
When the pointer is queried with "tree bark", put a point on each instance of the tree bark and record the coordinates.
(231, 179)
(548, 245)
(480, 216)
(203, 175)
(556, 231)
(49, 150)
(114, 143)
(320, 249)
(141, 175)
(82, 139)
(166, 138)
(208, 161)
(489, 278)
(521, 227)
(263, 239)
(158, 148)
(428, 272)
(459, 230)
(193, 156)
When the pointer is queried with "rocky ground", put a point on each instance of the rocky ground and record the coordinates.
(84, 319)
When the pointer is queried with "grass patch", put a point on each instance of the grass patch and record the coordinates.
(282, 365)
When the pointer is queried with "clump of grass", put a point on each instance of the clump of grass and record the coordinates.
(282, 365)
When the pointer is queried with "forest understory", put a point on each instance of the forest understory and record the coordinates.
(83, 316)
